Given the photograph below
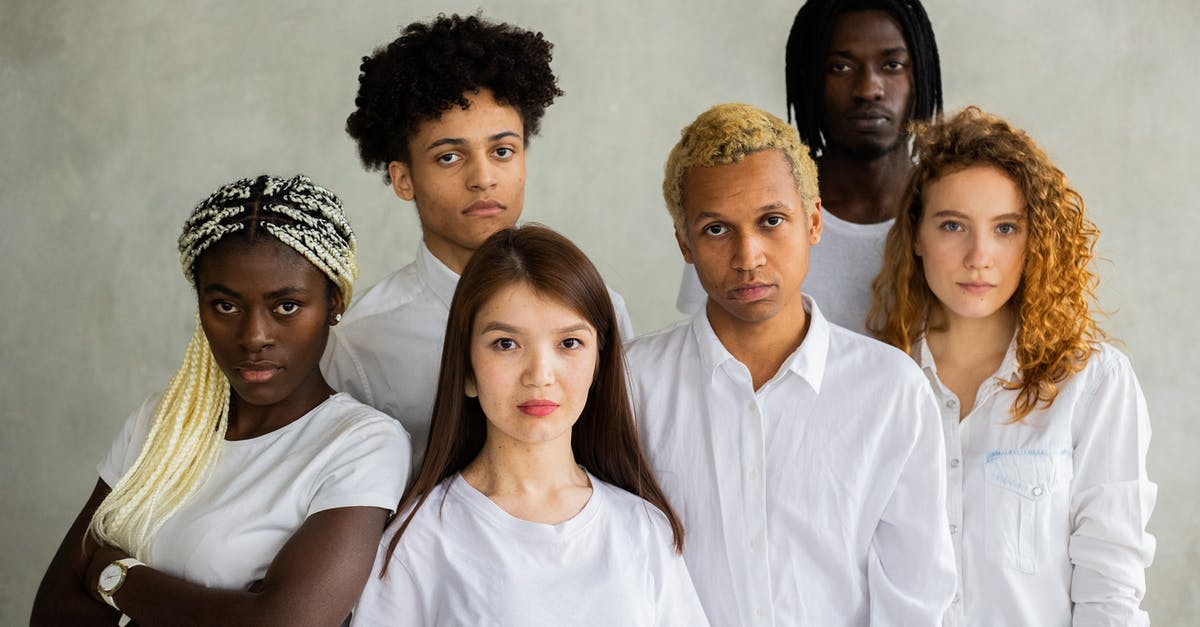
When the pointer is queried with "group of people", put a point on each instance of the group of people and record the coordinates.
(480, 440)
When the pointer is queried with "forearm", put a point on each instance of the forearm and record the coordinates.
(154, 598)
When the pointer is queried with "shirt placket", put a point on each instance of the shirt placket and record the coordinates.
(948, 406)
(754, 492)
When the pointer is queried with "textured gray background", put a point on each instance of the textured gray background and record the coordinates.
(117, 117)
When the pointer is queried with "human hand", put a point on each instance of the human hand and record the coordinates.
(101, 557)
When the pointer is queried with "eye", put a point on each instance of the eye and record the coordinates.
(449, 158)
(895, 65)
(714, 229)
(951, 226)
(572, 343)
(288, 308)
(1007, 228)
(839, 68)
(505, 344)
(504, 152)
(772, 221)
(225, 307)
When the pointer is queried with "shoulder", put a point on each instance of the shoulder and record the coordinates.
(652, 346)
(857, 354)
(396, 291)
(342, 416)
(1107, 367)
(636, 516)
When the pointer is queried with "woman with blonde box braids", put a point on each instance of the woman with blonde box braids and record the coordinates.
(987, 284)
(248, 493)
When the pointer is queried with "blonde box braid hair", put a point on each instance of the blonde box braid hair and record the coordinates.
(189, 425)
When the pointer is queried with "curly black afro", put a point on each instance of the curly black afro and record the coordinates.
(433, 67)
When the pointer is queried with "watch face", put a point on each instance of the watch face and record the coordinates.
(111, 577)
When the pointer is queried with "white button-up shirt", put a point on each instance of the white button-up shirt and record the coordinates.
(387, 350)
(817, 499)
(1048, 515)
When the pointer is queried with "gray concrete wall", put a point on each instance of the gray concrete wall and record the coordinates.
(117, 117)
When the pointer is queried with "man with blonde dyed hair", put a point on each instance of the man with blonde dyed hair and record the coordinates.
(806, 460)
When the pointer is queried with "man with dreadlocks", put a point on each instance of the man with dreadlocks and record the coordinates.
(446, 111)
(857, 71)
(248, 493)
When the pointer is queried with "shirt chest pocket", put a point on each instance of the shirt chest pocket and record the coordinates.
(1022, 487)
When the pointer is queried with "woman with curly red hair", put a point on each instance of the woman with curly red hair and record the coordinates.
(987, 284)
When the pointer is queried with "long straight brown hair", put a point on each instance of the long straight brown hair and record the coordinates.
(604, 439)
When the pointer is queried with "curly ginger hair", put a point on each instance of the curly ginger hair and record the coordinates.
(1057, 331)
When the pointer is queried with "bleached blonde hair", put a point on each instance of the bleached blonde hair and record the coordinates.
(726, 134)
(190, 420)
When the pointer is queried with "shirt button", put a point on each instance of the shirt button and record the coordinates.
(761, 613)
(954, 463)
(952, 403)
(1037, 490)
(753, 474)
(751, 407)
(953, 528)
(755, 543)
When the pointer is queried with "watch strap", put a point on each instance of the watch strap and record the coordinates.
(124, 564)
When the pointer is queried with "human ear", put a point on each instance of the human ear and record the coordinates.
(684, 248)
(401, 176)
(814, 223)
(337, 307)
(469, 387)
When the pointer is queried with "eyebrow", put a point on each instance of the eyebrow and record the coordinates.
(775, 206)
(504, 328)
(283, 292)
(885, 52)
(959, 214)
(461, 141)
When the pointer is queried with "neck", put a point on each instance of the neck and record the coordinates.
(864, 191)
(454, 257)
(248, 421)
(955, 340)
(761, 346)
(507, 467)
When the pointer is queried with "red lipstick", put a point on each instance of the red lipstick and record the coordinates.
(538, 408)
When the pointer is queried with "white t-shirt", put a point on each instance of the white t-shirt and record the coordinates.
(840, 271)
(340, 454)
(463, 561)
(817, 499)
(387, 350)
(1048, 515)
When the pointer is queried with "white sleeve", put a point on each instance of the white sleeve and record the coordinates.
(393, 600)
(368, 469)
(128, 444)
(343, 369)
(1111, 501)
(676, 601)
(911, 572)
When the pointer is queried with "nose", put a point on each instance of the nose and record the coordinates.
(539, 367)
(979, 255)
(749, 253)
(868, 85)
(481, 173)
(255, 334)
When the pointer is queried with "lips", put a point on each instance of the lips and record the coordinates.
(750, 292)
(484, 208)
(257, 371)
(538, 408)
(869, 119)
(976, 287)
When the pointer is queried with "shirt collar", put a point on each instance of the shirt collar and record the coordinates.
(437, 275)
(808, 360)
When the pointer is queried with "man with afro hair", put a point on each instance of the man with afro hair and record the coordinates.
(445, 112)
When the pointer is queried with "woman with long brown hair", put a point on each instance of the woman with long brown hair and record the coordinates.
(534, 504)
(987, 283)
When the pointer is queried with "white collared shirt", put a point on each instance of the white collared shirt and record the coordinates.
(817, 499)
(1048, 515)
(387, 350)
